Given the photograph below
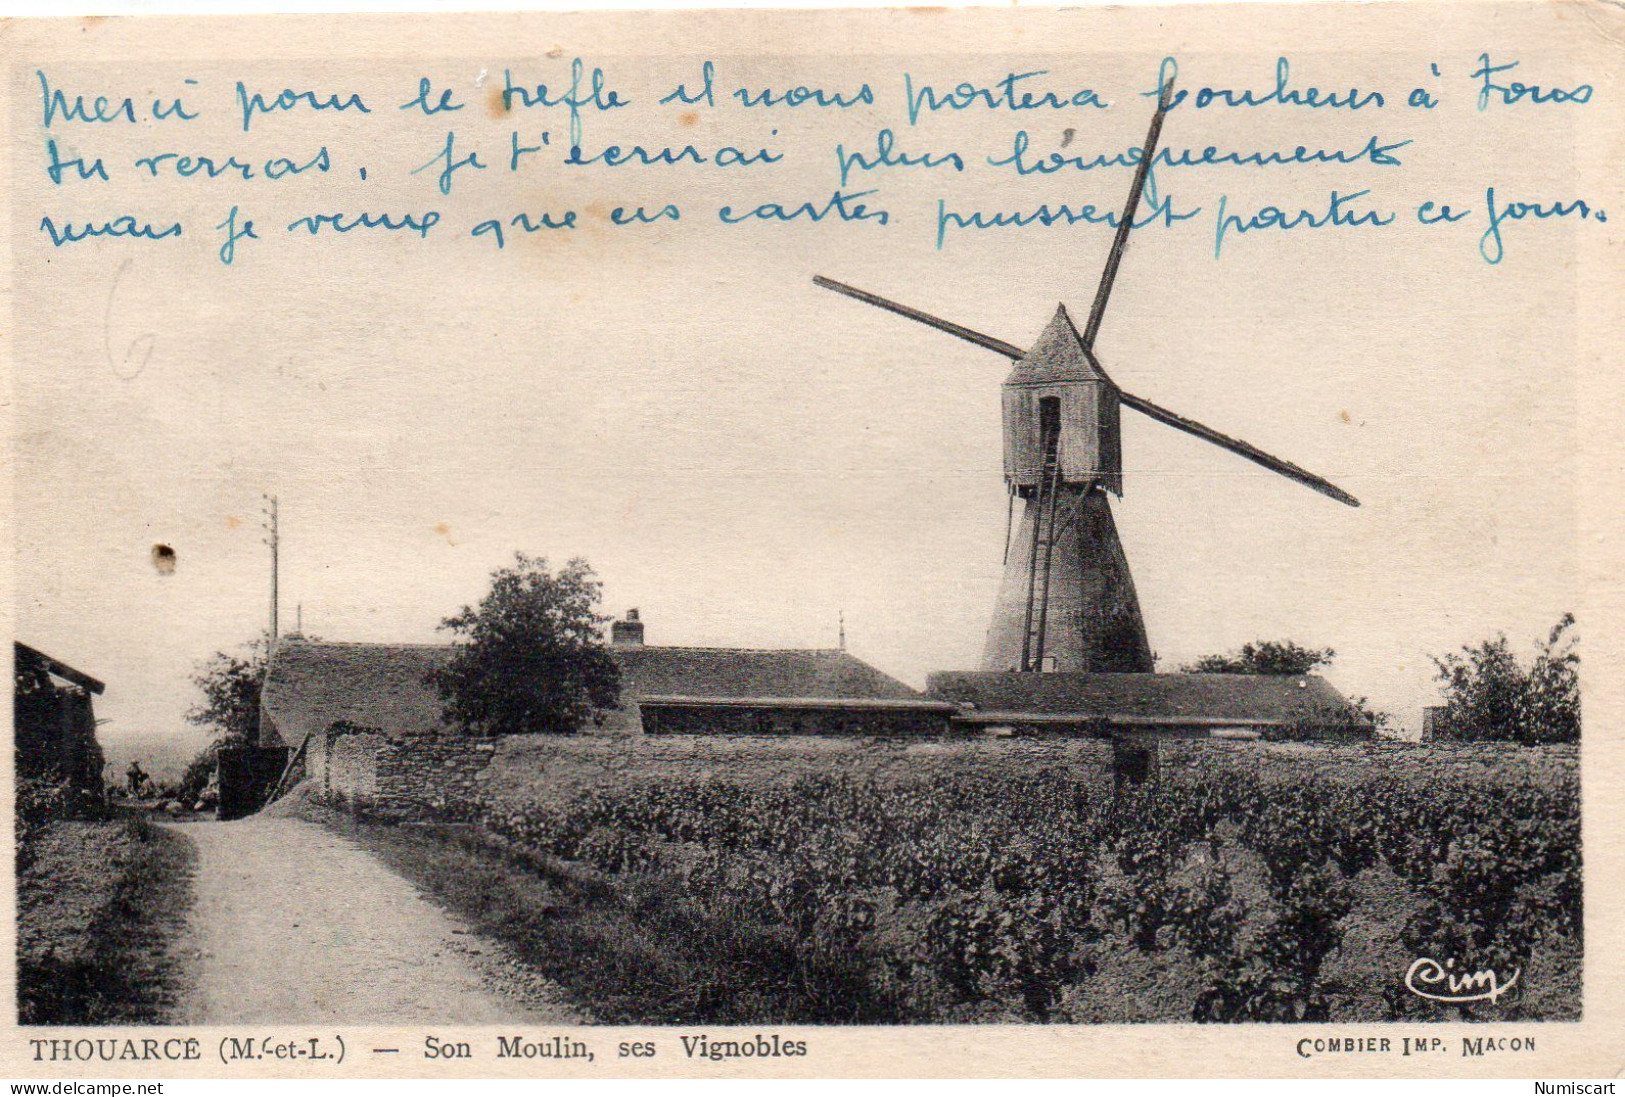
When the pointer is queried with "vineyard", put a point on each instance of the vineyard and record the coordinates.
(1041, 894)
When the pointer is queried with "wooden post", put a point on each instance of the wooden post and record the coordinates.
(274, 551)
(1134, 759)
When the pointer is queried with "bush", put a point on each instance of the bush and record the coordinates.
(45, 799)
(1354, 718)
(1263, 657)
(1490, 695)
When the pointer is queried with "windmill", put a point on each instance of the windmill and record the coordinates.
(1067, 601)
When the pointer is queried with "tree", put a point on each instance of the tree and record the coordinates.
(1490, 695)
(1264, 657)
(531, 657)
(230, 683)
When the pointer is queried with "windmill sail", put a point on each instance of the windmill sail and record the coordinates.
(986, 342)
(1126, 223)
(1241, 449)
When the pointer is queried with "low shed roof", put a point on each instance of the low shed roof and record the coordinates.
(24, 653)
(1142, 698)
(812, 704)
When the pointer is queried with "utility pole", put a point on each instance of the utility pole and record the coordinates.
(271, 529)
(842, 640)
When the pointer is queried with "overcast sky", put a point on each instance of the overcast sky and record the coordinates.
(744, 456)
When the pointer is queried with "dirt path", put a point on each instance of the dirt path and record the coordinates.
(293, 923)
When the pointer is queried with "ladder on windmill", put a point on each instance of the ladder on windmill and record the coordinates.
(1043, 546)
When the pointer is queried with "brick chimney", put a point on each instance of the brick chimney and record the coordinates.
(627, 633)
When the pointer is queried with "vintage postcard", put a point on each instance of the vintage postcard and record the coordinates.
(747, 543)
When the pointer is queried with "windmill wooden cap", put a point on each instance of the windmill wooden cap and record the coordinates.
(1057, 356)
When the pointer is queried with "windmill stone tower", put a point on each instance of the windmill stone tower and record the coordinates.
(1067, 601)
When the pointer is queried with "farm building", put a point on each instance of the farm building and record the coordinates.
(55, 719)
(364, 722)
(752, 691)
(1300, 706)
(369, 724)
(312, 685)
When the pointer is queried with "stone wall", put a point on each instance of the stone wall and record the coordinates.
(408, 776)
(1420, 762)
(532, 768)
(437, 775)
(537, 766)
(314, 763)
(352, 765)
(431, 774)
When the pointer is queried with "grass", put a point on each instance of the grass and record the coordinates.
(100, 906)
(640, 955)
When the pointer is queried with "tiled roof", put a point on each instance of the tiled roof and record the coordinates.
(1142, 698)
(1057, 355)
(311, 685)
(753, 672)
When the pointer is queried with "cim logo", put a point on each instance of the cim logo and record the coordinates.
(1427, 978)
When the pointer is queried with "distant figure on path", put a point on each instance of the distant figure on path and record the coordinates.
(137, 777)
